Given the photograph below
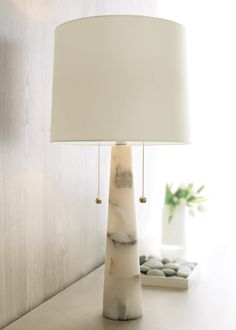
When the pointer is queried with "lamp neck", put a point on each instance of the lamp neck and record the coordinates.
(120, 143)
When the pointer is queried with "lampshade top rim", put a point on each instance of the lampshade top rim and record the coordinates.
(110, 15)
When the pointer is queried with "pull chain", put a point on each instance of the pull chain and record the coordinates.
(98, 200)
(143, 199)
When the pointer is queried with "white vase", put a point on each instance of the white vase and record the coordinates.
(173, 233)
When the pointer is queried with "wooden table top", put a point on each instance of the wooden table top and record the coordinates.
(210, 304)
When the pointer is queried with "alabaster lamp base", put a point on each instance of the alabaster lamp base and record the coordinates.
(122, 285)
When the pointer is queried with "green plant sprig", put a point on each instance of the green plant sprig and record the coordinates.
(184, 195)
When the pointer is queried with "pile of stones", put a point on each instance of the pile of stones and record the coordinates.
(156, 266)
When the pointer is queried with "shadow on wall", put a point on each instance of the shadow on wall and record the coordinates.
(39, 11)
(12, 121)
(12, 100)
(11, 117)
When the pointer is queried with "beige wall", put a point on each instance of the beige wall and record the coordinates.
(51, 231)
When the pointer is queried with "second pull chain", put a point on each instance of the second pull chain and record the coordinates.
(143, 199)
(98, 200)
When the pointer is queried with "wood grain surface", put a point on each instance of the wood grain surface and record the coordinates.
(51, 231)
(209, 304)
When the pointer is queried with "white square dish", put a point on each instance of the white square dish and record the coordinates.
(172, 282)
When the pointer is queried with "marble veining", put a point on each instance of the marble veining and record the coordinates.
(122, 238)
(117, 209)
(122, 298)
(122, 310)
(123, 177)
(113, 204)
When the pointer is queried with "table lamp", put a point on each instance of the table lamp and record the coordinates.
(120, 80)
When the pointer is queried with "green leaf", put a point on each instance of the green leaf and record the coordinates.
(191, 199)
(185, 194)
(200, 189)
(178, 193)
(201, 199)
(168, 195)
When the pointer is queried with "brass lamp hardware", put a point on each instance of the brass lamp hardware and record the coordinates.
(143, 199)
(98, 200)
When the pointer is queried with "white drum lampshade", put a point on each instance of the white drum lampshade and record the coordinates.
(120, 79)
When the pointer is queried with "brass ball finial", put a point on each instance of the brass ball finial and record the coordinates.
(98, 200)
(142, 199)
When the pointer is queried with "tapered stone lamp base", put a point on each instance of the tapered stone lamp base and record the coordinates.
(122, 298)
